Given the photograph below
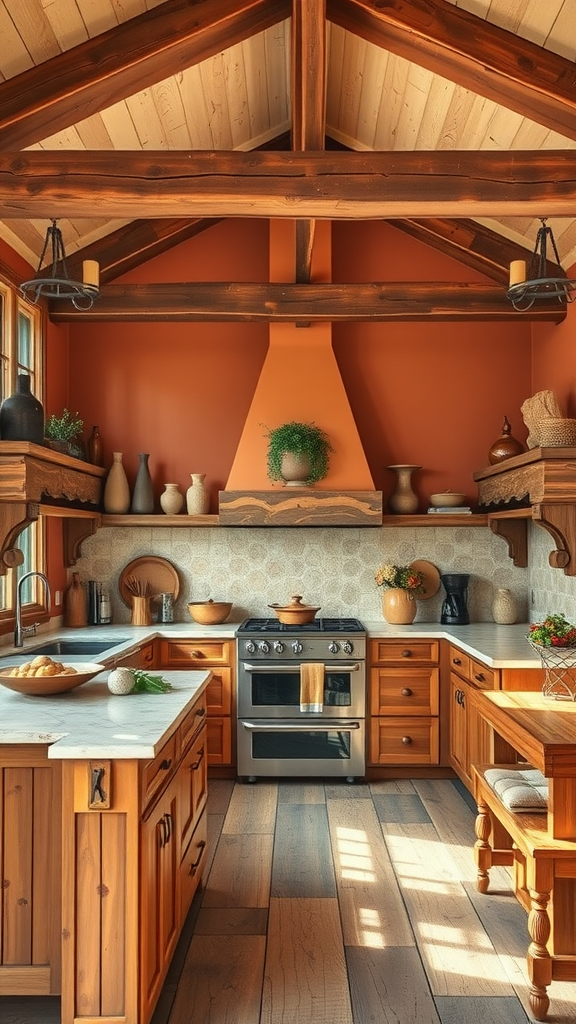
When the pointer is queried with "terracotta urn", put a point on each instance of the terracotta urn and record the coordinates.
(399, 606)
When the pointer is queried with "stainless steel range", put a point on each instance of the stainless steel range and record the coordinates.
(277, 734)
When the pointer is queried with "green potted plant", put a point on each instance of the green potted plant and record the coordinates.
(64, 433)
(310, 448)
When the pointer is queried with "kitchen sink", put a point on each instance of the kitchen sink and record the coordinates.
(78, 646)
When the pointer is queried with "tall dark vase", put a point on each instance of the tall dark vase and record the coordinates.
(22, 415)
(143, 496)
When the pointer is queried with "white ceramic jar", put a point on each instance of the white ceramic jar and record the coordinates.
(504, 607)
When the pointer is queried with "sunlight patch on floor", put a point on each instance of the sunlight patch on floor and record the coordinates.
(354, 855)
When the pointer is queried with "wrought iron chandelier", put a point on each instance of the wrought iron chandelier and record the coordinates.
(57, 284)
(526, 286)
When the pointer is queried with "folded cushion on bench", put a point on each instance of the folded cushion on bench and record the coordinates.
(519, 789)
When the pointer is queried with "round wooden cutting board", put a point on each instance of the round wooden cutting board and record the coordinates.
(158, 573)
(431, 576)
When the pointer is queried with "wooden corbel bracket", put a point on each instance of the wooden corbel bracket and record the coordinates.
(515, 533)
(560, 522)
(14, 517)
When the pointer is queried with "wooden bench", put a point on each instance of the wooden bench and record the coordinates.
(544, 877)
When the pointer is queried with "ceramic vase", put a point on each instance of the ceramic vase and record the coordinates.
(143, 496)
(504, 607)
(197, 498)
(22, 415)
(506, 446)
(94, 447)
(295, 469)
(116, 489)
(399, 606)
(403, 500)
(171, 500)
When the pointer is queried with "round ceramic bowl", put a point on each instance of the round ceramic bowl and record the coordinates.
(46, 686)
(448, 499)
(210, 613)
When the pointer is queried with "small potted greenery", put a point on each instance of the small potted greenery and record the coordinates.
(64, 433)
(309, 446)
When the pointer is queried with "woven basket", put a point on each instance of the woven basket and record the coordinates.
(559, 664)
(555, 433)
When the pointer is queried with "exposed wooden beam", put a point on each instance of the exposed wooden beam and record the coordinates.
(297, 303)
(141, 51)
(308, 91)
(465, 49)
(134, 244)
(335, 185)
(470, 243)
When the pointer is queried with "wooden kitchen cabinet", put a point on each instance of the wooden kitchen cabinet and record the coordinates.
(404, 700)
(144, 657)
(220, 657)
(30, 858)
(471, 739)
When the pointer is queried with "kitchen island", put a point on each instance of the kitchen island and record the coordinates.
(103, 842)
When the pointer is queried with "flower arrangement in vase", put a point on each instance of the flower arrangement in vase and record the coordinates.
(64, 433)
(402, 584)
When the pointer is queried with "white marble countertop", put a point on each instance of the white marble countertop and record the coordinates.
(497, 646)
(90, 722)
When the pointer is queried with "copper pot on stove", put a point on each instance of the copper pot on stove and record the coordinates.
(295, 613)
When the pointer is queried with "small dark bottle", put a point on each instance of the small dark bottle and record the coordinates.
(94, 446)
(22, 415)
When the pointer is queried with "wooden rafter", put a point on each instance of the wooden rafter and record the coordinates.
(116, 64)
(303, 303)
(332, 185)
(465, 49)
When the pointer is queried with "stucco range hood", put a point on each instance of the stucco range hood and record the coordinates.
(300, 380)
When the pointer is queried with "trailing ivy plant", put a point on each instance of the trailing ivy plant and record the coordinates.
(299, 439)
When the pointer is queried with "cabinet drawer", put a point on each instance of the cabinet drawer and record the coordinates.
(196, 652)
(424, 651)
(194, 721)
(460, 662)
(192, 865)
(156, 773)
(193, 787)
(404, 691)
(400, 741)
(483, 677)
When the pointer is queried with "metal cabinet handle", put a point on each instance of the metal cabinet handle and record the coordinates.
(162, 831)
(194, 767)
(165, 764)
(196, 654)
(456, 661)
(406, 740)
(195, 864)
(480, 677)
(169, 829)
(406, 654)
(406, 692)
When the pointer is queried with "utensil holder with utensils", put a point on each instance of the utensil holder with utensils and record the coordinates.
(141, 614)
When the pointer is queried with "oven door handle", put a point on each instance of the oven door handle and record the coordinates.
(323, 725)
(295, 665)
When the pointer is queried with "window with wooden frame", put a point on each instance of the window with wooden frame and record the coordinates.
(21, 352)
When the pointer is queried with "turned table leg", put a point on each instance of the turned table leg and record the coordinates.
(539, 960)
(482, 848)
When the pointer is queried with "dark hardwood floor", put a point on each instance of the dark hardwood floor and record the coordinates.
(326, 903)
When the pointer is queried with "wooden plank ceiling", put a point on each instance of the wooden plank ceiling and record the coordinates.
(131, 122)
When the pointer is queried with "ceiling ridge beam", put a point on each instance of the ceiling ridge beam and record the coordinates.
(465, 49)
(138, 53)
(236, 302)
(332, 185)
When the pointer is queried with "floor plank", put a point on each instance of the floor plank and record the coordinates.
(371, 906)
(219, 793)
(489, 1010)
(240, 875)
(232, 921)
(389, 985)
(405, 807)
(252, 808)
(302, 853)
(305, 979)
(221, 982)
(458, 956)
(301, 793)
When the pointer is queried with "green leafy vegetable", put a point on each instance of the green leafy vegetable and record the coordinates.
(144, 682)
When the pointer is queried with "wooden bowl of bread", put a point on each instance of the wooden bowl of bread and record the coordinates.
(43, 677)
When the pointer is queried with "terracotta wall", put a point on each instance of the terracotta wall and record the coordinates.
(554, 358)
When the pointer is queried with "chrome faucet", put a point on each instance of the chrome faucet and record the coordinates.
(19, 630)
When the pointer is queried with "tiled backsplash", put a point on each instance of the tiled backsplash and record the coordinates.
(330, 567)
(553, 592)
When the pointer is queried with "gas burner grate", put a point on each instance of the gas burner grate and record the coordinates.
(325, 625)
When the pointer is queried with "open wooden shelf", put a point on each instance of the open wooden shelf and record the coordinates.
(436, 519)
(160, 520)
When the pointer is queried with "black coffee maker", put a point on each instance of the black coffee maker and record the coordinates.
(454, 606)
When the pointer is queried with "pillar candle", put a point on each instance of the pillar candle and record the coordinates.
(517, 272)
(91, 273)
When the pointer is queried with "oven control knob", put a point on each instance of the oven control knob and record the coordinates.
(333, 647)
(297, 647)
(278, 646)
(347, 647)
(250, 647)
(264, 647)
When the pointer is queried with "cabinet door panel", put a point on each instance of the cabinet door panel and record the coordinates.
(219, 741)
(192, 864)
(458, 729)
(193, 787)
